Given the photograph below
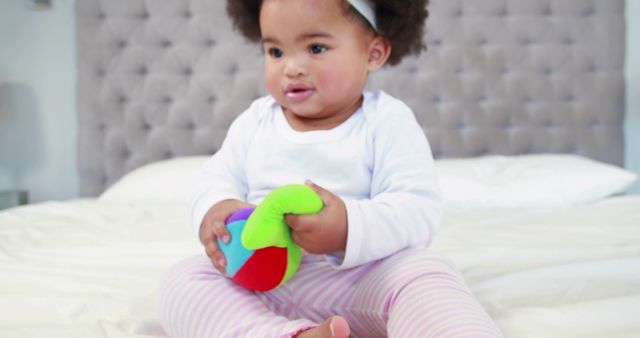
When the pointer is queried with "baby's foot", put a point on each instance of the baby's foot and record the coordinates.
(334, 327)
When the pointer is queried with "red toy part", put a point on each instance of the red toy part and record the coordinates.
(269, 264)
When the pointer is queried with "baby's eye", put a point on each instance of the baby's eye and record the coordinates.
(317, 48)
(275, 52)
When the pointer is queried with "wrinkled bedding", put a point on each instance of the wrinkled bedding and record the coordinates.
(569, 272)
(90, 268)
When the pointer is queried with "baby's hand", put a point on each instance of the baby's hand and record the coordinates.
(324, 232)
(214, 226)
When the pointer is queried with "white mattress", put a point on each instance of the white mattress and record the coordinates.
(90, 268)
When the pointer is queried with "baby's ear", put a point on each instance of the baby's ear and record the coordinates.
(379, 51)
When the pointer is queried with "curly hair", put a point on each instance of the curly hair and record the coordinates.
(401, 22)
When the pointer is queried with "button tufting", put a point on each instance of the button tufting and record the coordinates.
(525, 41)
(589, 11)
(412, 69)
(232, 69)
(166, 43)
(569, 97)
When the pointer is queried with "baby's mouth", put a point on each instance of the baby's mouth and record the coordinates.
(298, 93)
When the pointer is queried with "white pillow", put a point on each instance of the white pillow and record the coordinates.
(485, 182)
(164, 181)
(528, 181)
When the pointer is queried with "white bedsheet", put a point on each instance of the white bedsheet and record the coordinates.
(90, 269)
(571, 272)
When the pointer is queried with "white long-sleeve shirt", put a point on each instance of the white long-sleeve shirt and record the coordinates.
(378, 161)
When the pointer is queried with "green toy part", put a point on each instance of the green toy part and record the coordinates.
(266, 225)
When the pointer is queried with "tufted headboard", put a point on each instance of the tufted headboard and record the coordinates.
(165, 78)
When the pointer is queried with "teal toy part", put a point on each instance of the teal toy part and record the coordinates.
(237, 253)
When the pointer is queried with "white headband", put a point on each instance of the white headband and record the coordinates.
(365, 8)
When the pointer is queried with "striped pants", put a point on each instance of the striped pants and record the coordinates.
(414, 293)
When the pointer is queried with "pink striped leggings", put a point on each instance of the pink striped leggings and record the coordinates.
(414, 293)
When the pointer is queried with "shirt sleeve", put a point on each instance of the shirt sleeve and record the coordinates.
(223, 174)
(405, 205)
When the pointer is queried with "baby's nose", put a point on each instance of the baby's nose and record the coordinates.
(295, 67)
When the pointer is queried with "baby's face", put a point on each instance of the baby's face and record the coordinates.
(316, 60)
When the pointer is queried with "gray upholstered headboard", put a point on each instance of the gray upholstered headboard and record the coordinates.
(165, 78)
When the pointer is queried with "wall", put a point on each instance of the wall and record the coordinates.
(37, 100)
(632, 123)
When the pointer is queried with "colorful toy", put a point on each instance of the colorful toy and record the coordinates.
(261, 254)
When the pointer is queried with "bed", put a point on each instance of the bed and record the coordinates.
(522, 103)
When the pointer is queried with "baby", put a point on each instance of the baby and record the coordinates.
(366, 270)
